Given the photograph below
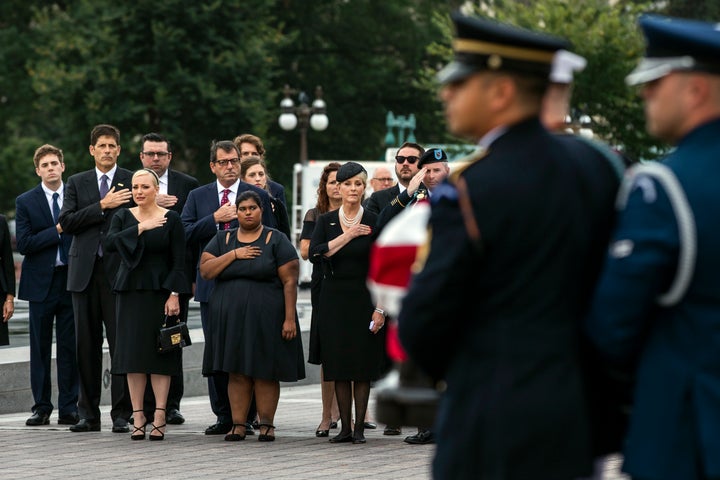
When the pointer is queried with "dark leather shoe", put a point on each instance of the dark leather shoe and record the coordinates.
(38, 418)
(218, 429)
(68, 419)
(421, 438)
(85, 425)
(392, 430)
(174, 417)
(370, 425)
(120, 425)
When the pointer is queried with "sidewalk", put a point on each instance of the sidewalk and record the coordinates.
(53, 452)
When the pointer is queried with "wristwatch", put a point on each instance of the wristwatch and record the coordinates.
(381, 312)
(175, 294)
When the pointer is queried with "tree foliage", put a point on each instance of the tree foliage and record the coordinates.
(198, 71)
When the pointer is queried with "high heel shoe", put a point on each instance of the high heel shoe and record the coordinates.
(266, 437)
(235, 437)
(135, 435)
(162, 434)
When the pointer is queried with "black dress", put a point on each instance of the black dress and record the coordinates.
(7, 275)
(151, 268)
(315, 278)
(247, 311)
(348, 349)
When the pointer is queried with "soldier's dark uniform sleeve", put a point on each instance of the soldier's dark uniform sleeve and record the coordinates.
(430, 322)
(640, 265)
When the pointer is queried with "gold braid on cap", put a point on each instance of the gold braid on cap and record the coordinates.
(463, 45)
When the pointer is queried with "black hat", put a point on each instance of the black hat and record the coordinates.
(432, 155)
(348, 170)
(484, 44)
(674, 44)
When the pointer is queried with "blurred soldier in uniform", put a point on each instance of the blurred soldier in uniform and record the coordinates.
(497, 308)
(658, 301)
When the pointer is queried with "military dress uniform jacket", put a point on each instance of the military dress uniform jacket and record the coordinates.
(499, 316)
(675, 423)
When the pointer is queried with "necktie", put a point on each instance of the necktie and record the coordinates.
(225, 199)
(56, 207)
(56, 215)
(104, 189)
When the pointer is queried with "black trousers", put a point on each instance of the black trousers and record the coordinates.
(56, 308)
(94, 309)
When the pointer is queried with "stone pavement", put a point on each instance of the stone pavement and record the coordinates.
(53, 452)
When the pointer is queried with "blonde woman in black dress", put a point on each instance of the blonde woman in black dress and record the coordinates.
(151, 243)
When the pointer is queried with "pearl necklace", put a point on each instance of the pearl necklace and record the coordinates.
(349, 222)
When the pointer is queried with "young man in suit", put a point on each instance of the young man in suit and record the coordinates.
(91, 199)
(175, 186)
(43, 283)
(208, 209)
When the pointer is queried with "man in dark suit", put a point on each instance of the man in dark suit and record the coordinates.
(250, 144)
(409, 180)
(43, 283)
(91, 199)
(517, 234)
(175, 186)
(208, 209)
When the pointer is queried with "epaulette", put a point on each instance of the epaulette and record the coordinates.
(466, 163)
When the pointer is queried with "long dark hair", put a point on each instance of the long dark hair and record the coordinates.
(323, 201)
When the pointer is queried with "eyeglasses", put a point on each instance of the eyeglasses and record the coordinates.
(231, 161)
(156, 154)
(384, 179)
(410, 159)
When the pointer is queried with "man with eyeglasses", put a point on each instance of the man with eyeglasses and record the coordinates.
(208, 209)
(381, 179)
(174, 189)
(406, 171)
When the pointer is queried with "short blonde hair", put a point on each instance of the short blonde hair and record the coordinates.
(147, 171)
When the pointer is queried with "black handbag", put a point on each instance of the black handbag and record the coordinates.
(173, 335)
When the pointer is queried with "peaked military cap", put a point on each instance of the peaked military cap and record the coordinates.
(485, 44)
(675, 44)
(348, 170)
(432, 155)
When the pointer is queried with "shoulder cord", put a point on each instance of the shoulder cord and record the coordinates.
(685, 220)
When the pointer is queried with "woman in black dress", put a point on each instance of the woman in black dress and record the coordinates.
(349, 327)
(7, 280)
(253, 332)
(328, 199)
(151, 243)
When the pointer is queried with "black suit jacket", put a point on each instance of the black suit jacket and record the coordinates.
(381, 199)
(497, 309)
(37, 240)
(180, 185)
(277, 190)
(82, 217)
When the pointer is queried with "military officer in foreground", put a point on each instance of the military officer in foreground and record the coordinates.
(497, 309)
(658, 301)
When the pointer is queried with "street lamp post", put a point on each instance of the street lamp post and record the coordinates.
(304, 115)
(401, 122)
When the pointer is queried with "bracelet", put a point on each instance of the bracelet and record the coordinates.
(175, 294)
(235, 252)
(380, 311)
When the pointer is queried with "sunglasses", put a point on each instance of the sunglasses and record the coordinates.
(410, 159)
